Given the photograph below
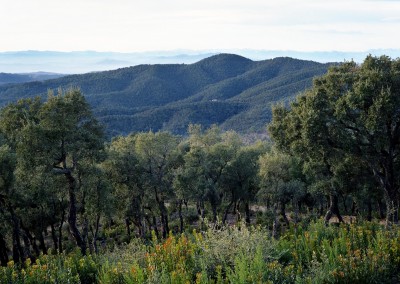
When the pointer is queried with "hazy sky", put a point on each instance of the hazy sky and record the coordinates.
(132, 25)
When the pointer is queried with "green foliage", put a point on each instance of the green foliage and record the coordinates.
(52, 269)
(224, 89)
(280, 176)
(350, 115)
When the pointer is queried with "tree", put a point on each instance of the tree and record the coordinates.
(7, 165)
(206, 162)
(280, 182)
(58, 137)
(14, 118)
(157, 154)
(352, 111)
(71, 139)
(241, 177)
(126, 175)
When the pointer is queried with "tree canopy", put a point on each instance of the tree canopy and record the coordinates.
(352, 111)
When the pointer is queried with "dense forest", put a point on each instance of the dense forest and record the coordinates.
(156, 207)
(226, 89)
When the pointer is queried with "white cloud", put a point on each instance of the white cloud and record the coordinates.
(131, 25)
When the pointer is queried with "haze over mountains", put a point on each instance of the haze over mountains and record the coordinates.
(226, 89)
(89, 61)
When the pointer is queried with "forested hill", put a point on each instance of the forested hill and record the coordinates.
(229, 90)
(10, 78)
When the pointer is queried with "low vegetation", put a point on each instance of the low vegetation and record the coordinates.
(362, 253)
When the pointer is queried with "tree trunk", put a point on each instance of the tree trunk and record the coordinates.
(18, 253)
(369, 210)
(296, 209)
(227, 211)
(128, 227)
(354, 208)
(214, 211)
(387, 180)
(381, 210)
(164, 220)
(143, 220)
(54, 237)
(3, 251)
(72, 216)
(27, 245)
(392, 210)
(96, 234)
(321, 209)
(180, 215)
(345, 204)
(283, 213)
(163, 212)
(333, 209)
(31, 242)
(275, 224)
(247, 212)
(155, 228)
(60, 247)
(42, 244)
(200, 210)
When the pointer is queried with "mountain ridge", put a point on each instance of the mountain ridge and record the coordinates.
(73, 62)
(15, 78)
(226, 89)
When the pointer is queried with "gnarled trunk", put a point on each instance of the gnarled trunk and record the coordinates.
(72, 215)
(333, 208)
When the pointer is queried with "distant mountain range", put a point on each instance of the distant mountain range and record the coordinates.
(225, 89)
(9, 78)
(89, 61)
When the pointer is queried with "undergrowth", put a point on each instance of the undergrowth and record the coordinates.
(356, 253)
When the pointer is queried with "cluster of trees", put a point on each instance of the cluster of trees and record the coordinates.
(346, 131)
(57, 171)
(339, 141)
(48, 153)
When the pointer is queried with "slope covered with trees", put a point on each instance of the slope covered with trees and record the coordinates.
(225, 89)
(10, 78)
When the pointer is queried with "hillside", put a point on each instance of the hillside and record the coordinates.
(226, 89)
(11, 78)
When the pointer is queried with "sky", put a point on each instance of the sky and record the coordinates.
(151, 25)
